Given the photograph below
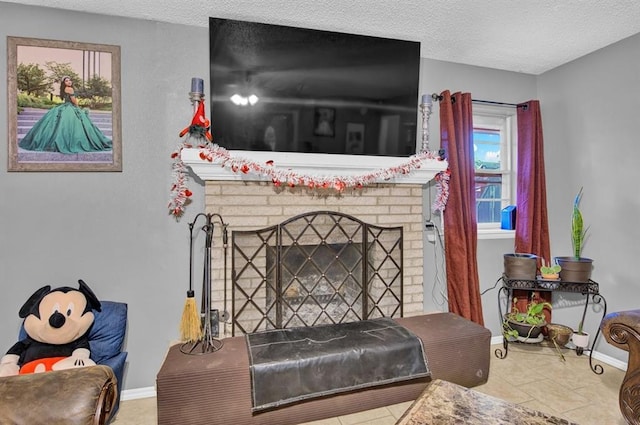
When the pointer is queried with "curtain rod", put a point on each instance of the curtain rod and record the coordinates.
(438, 97)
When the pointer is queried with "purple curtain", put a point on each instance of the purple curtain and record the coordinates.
(532, 226)
(456, 135)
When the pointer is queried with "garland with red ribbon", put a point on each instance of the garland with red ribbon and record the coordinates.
(180, 194)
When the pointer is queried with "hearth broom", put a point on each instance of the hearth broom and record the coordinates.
(191, 325)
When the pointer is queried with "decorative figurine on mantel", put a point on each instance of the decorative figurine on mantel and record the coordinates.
(197, 134)
(200, 125)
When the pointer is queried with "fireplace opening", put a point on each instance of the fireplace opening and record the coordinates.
(316, 268)
(327, 276)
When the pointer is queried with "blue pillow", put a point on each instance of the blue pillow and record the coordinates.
(106, 336)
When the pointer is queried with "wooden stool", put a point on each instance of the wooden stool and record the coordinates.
(445, 403)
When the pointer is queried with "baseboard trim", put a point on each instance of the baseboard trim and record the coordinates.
(611, 361)
(136, 393)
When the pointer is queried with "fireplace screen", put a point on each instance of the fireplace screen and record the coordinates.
(316, 268)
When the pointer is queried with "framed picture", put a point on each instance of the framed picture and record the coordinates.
(325, 122)
(63, 106)
(355, 138)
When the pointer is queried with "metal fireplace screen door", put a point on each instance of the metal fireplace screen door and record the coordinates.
(316, 268)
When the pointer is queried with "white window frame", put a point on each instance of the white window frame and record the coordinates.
(502, 119)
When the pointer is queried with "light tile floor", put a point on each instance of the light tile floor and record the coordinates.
(532, 376)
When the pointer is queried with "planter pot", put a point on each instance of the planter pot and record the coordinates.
(575, 270)
(525, 330)
(581, 341)
(520, 266)
(561, 334)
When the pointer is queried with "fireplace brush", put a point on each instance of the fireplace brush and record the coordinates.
(190, 326)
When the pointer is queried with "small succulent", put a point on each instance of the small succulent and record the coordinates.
(548, 269)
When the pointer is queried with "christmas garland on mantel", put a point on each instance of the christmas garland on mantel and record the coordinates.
(180, 193)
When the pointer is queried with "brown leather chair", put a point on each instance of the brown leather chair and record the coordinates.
(622, 330)
(80, 396)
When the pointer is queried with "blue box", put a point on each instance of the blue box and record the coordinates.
(508, 218)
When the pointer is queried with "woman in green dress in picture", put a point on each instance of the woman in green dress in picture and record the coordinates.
(66, 128)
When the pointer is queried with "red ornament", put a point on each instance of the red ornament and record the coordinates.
(199, 123)
(187, 193)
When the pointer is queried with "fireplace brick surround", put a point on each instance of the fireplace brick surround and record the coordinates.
(249, 204)
(253, 205)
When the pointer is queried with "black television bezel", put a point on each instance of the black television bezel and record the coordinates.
(406, 129)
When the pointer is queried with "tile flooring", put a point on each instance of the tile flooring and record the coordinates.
(532, 376)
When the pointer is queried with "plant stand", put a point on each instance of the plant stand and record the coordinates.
(588, 289)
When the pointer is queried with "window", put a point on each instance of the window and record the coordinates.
(494, 157)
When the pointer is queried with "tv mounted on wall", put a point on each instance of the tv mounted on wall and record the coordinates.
(292, 89)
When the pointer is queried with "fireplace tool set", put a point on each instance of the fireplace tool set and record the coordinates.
(198, 330)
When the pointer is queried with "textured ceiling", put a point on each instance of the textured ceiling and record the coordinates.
(515, 35)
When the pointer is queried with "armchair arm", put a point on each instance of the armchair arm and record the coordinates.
(80, 396)
(622, 330)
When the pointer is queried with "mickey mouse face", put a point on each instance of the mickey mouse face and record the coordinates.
(61, 318)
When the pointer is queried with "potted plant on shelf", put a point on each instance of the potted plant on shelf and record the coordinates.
(550, 272)
(525, 326)
(520, 266)
(576, 268)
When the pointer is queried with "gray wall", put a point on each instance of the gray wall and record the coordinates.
(590, 110)
(113, 231)
(110, 229)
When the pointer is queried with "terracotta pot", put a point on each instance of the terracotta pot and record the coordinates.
(575, 270)
(520, 266)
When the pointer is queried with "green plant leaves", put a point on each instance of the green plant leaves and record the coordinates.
(578, 232)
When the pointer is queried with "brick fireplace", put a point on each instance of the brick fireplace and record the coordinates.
(247, 202)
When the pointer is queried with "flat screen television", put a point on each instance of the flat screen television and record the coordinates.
(292, 89)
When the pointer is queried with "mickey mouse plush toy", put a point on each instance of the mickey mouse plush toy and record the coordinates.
(57, 324)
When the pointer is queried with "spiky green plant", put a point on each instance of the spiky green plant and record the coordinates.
(578, 232)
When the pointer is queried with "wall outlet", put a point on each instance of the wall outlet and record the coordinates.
(431, 230)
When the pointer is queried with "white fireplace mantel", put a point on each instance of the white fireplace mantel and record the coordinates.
(314, 164)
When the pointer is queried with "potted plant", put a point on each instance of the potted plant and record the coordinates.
(559, 335)
(580, 338)
(525, 325)
(520, 266)
(576, 268)
(550, 272)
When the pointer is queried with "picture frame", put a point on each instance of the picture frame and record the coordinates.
(324, 122)
(354, 138)
(64, 106)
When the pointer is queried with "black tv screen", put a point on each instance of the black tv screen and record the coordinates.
(292, 89)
